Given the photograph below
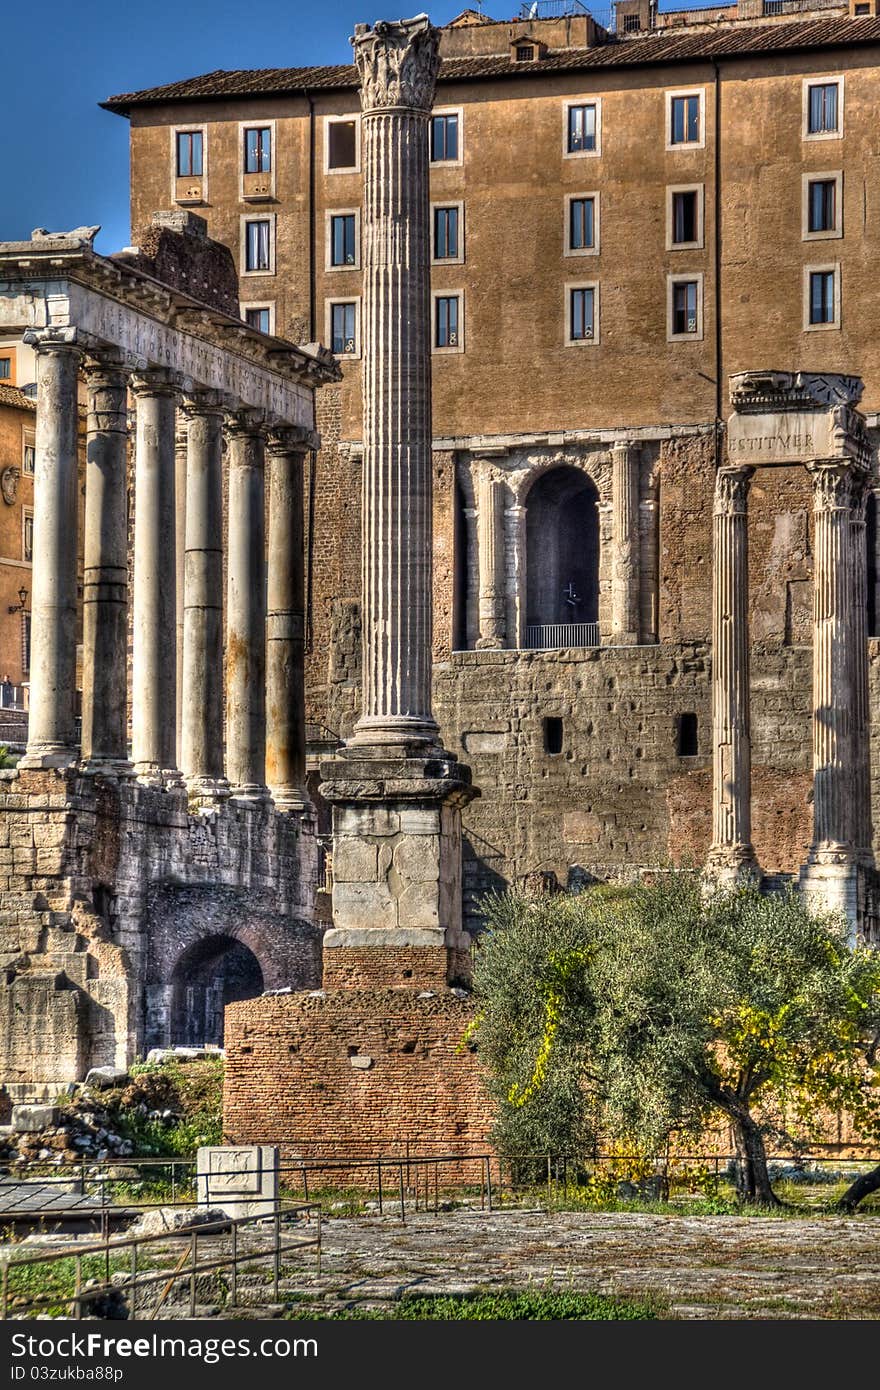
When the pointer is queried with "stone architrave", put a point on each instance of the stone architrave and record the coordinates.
(625, 567)
(154, 645)
(105, 569)
(202, 728)
(731, 854)
(490, 550)
(51, 738)
(246, 608)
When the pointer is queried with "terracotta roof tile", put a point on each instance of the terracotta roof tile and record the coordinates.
(667, 46)
(12, 396)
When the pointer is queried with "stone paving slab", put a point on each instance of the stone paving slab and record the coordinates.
(22, 1198)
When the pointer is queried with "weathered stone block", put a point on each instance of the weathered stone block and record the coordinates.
(241, 1181)
(419, 905)
(364, 905)
(30, 1119)
(354, 861)
(417, 859)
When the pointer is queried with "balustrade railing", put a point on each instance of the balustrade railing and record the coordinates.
(550, 636)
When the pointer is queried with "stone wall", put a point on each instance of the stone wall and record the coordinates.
(354, 1073)
(105, 887)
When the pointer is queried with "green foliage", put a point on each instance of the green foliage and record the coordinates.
(191, 1091)
(507, 1305)
(654, 1010)
(7, 759)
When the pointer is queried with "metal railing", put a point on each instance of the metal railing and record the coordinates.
(551, 636)
(252, 1240)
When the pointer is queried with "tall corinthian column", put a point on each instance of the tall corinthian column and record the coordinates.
(246, 607)
(285, 652)
(105, 569)
(625, 555)
(397, 63)
(53, 605)
(731, 855)
(863, 835)
(490, 550)
(153, 669)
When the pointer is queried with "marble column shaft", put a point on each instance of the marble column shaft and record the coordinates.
(397, 537)
(625, 577)
(731, 852)
(833, 694)
(105, 567)
(202, 728)
(180, 451)
(246, 608)
(154, 645)
(51, 738)
(285, 656)
(490, 550)
(863, 834)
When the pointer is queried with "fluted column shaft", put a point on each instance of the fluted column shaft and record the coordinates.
(202, 729)
(153, 718)
(246, 608)
(625, 549)
(285, 655)
(731, 853)
(180, 450)
(863, 834)
(51, 738)
(490, 550)
(105, 568)
(833, 694)
(397, 472)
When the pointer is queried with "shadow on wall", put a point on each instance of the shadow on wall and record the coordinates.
(211, 945)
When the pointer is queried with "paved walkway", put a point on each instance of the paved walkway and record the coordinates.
(705, 1267)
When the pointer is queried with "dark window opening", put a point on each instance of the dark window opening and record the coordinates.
(446, 327)
(684, 307)
(342, 145)
(822, 119)
(684, 217)
(257, 318)
(685, 120)
(553, 730)
(257, 249)
(5, 368)
(444, 138)
(343, 243)
(445, 234)
(822, 205)
(822, 296)
(525, 53)
(582, 315)
(562, 558)
(582, 224)
(686, 743)
(189, 154)
(631, 23)
(258, 151)
(581, 128)
(343, 329)
(211, 973)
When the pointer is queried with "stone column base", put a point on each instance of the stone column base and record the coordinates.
(732, 865)
(836, 884)
(396, 871)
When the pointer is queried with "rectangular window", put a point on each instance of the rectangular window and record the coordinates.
(684, 119)
(343, 239)
(5, 368)
(259, 319)
(258, 150)
(342, 144)
(582, 315)
(447, 327)
(822, 305)
(258, 237)
(27, 549)
(685, 217)
(446, 234)
(189, 154)
(444, 138)
(29, 459)
(822, 205)
(582, 224)
(684, 308)
(343, 329)
(583, 127)
(822, 108)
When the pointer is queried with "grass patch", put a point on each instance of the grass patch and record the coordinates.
(498, 1305)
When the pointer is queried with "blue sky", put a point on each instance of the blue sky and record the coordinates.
(64, 162)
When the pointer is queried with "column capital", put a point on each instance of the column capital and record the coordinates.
(54, 339)
(246, 422)
(155, 382)
(206, 402)
(292, 439)
(105, 362)
(835, 484)
(732, 490)
(397, 63)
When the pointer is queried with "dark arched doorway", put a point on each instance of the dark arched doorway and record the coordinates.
(209, 975)
(562, 560)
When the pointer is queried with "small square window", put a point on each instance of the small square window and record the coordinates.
(685, 217)
(259, 318)
(342, 145)
(583, 129)
(822, 305)
(344, 328)
(684, 119)
(823, 108)
(258, 150)
(190, 150)
(582, 314)
(632, 23)
(447, 321)
(5, 368)
(258, 245)
(444, 138)
(446, 233)
(582, 224)
(343, 239)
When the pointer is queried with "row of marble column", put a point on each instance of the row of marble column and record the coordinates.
(491, 506)
(842, 832)
(180, 689)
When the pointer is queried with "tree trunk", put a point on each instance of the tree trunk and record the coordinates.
(752, 1179)
(864, 1185)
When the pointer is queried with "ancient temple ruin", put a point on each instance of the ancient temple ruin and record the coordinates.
(142, 892)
